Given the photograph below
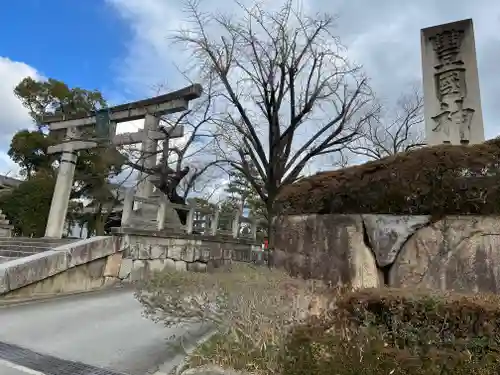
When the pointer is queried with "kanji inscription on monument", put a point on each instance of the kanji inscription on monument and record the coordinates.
(452, 99)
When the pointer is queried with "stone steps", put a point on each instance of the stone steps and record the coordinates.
(5, 259)
(19, 247)
(26, 240)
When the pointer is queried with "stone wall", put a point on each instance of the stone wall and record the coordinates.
(145, 251)
(460, 253)
(74, 267)
(128, 256)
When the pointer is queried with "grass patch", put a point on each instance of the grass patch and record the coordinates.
(270, 323)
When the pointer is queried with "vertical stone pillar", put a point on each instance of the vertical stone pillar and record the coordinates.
(60, 198)
(235, 226)
(214, 224)
(452, 102)
(189, 220)
(149, 155)
(162, 212)
(128, 207)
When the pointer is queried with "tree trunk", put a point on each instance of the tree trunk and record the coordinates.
(270, 233)
(99, 222)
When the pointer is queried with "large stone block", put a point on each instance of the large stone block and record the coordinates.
(159, 251)
(139, 270)
(113, 264)
(187, 250)
(175, 252)
(156, 265)
(197, 267)
(28, 270)
(89, 249)
(4, 279)
(387, 233)
(85, 277)
(125, 268)
(138, 250)
(456, 253)
(325, 247)
(180, 265)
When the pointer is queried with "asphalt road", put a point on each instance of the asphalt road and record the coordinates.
(93, 331)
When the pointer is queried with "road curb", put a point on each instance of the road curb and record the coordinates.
(176, 365)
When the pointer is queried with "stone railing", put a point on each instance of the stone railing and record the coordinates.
(209, 224)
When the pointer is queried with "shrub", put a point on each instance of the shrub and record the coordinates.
(419, 318)
(251, 307)
(434, 180)
(399, 332)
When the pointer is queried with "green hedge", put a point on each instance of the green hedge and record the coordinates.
(434, 180)
(399, 332)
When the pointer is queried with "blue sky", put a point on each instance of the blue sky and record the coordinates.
(74, 41)
(121, 47)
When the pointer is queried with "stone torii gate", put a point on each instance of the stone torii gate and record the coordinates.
(74, 126)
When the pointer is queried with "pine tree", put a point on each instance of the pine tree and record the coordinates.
(243, 195)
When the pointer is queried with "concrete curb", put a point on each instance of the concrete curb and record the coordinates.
(5, 303)
(176, 365)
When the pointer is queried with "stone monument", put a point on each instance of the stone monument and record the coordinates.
(452, 102)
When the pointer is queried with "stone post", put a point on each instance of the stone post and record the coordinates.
(149, 156)
(128, 207)
(62, 191)
(189, 220)
(214, 225)
(162, 210)
(236, 224)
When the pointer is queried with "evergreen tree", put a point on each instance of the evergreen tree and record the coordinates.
(243, 194)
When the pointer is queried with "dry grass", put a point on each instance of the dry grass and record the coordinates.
(270, 323)
(252, 307)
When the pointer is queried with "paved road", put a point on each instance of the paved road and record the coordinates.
(103, 329)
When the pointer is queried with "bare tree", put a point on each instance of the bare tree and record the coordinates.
(290, 92)
(392, 131)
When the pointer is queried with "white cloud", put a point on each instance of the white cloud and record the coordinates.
(382, 36)
(13, 116)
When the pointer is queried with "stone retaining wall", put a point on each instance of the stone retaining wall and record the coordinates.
(145, 251)
(127, 256)
(459, 253)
